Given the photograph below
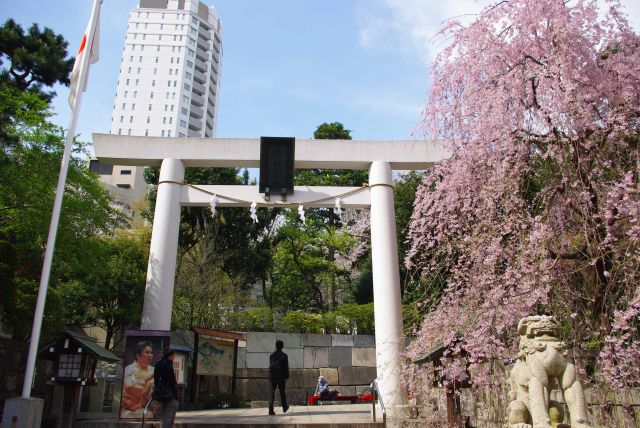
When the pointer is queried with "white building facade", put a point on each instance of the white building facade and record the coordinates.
(168, 82)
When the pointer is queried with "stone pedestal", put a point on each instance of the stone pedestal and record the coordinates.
(22, 412)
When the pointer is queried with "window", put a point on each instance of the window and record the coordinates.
(169, 83)
(121, 119)
(161, 26)
(125, 172)
(184, 111)
(140, 58)
(137, 81)
(119, 131)
(187, 87)
(129, 131)
(148, 119)
(133, 106)
(175, 83)
(124, 185)
(185, 98)
(127, 82)
(151, 96)
(131, 58)
(166, 106)
(124, 106)
(138, 70)
(155, 71)
(129, 70)
(162, 133)
(159, 37)
(183, 123)
(100, 168)
(190, 52)
(178, 60)
(146, 132)
(130, 119)
(189, 75)
(153, 83)
(171, 60)
(158, 48)
(170, 121)
(156, 60)
(69, 365)
(180, 134)
(135, 94)
(150, 107)
(144, 37)
(189, 63)
(126, 93)
(164, 120)
(171, 108)
(169, 133)
(142, 47)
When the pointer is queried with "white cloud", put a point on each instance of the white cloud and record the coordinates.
(410, 26)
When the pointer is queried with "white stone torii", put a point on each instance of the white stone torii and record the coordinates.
(173, 155)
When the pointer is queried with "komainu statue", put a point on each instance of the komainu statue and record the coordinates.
(542, 366)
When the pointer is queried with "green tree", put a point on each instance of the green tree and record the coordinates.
(326, 176)
(28, 178)
(105, 288)
(302, 272)
(36, 59)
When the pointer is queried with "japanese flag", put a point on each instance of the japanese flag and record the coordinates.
(87, 54)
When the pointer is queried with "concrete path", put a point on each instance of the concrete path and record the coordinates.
(327, 416)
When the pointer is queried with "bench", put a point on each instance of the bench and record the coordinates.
(313, 400)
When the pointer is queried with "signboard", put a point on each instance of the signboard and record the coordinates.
(143, 349)
(276, 165)
(215, 357)
(178, 368)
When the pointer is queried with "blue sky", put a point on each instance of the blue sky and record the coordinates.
(288, 65)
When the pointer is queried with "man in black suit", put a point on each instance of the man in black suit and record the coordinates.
(278, 374)
(164, 376)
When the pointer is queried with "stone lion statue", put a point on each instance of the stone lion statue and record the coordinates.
(543, 365)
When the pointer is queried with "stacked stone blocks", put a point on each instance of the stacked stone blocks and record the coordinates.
(347, 362)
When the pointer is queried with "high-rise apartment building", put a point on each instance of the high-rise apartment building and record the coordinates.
(168, 82)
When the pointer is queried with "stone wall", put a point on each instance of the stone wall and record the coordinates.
(347, 362)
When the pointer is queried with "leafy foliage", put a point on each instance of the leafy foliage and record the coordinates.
(28, 177)
(36, 59)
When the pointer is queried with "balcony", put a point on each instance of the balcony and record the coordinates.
(201, 54)
(197, 100)
(195, 125)
(198, 88)
(201, 66)
(204, 33)
(199, 77)
(194, 134)
(196, 112)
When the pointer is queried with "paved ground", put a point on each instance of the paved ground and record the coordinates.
(327, 414)
(352, 415)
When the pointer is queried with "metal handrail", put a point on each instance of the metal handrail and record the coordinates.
(146, 408)
(375, 390)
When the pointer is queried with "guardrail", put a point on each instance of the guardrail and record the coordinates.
(375, 391)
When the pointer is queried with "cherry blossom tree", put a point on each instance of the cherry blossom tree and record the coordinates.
(538, 209)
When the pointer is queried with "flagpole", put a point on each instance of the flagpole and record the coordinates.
(57, 206)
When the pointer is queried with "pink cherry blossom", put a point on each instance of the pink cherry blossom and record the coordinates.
(538, 210)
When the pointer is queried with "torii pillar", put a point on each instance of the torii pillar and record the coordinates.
(175, 154)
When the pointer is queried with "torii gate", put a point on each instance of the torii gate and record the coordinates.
(173, 155)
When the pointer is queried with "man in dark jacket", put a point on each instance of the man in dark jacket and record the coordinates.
(278, 373)
(164, 375)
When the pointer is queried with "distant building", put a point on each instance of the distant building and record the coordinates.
(168, 83)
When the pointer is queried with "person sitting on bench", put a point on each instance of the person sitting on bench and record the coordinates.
(322, 389)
